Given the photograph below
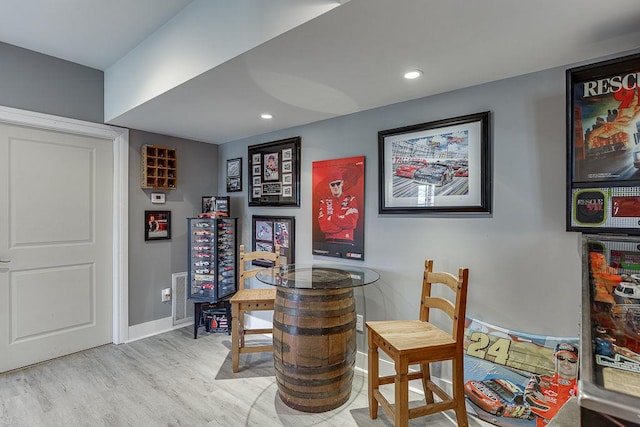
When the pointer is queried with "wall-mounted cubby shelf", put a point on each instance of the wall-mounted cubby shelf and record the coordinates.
(159, 167)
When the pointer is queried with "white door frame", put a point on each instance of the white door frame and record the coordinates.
(120, 138)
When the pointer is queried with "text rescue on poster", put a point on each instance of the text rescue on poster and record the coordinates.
(603, 137)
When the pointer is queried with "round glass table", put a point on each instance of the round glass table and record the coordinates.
(314, 332)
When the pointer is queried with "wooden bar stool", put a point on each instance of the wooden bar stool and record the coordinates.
(419, 342)
(250, 300)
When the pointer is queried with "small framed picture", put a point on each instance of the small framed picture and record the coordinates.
(234, 175)
(271, 169)
(157, 225)
(219, 204)
(269, 231)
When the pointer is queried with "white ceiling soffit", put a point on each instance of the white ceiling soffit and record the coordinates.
(352, 58)
(93, 33)
(204, 35)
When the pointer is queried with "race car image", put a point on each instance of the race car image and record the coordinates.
(500, 397)
(408, 169)
(462, 171)
(434, 174)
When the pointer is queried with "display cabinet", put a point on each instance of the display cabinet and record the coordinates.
(159, 167)
(212, 258)
(213, 268)
(609, 384)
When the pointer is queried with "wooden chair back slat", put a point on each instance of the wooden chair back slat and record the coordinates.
(246, 257)
(456, 309)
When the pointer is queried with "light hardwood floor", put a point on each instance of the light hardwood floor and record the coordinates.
(170, 380)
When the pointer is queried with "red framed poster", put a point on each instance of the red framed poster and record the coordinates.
(338, 208)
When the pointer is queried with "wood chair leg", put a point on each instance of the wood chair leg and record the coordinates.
(235, 342)
(373, 376)
(426, 378)
(401, 394)
(457, 382)
(241, 327)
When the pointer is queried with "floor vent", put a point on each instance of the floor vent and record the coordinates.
(181, 310)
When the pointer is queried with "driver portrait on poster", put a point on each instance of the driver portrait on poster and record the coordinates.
(338, 202)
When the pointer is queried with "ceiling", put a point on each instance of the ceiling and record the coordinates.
(348, 59)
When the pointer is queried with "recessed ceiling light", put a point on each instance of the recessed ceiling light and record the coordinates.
(266, 116)
(413, 74)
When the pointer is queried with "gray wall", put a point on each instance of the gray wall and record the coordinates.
(151, 263)
(36, 82)
(524, 267)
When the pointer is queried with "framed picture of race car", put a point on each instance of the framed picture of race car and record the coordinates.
(603, 147)
(437, 167)
(269, 231)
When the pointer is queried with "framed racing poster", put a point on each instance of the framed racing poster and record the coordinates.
(275, 173)
(603, 151)
(436, 167)
(338, 208)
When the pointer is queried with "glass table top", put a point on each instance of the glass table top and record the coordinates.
(318, 276)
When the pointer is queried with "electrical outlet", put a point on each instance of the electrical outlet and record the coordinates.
(166, 294)
(359, 323)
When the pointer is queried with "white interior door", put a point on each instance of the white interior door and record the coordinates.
(56, 231)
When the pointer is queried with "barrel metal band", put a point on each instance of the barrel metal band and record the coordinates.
(296, 330)
(349, 362)
(313, 296)
(322, 314)
(316, 395)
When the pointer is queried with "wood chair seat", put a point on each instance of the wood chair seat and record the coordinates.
(408, 337)
(419, 342)
(261, 297)
(247, 300)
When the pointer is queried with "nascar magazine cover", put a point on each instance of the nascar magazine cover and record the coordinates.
(603, 138)
(606, 122)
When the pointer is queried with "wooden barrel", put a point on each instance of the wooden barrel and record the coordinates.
(314, 347)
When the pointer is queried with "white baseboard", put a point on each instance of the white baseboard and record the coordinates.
(155, 327)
